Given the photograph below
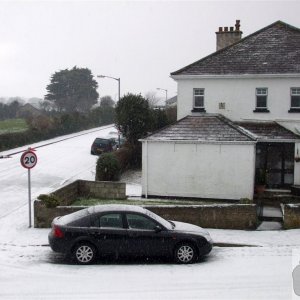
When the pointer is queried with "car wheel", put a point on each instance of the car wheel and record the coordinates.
(185, 253)
(84, 253)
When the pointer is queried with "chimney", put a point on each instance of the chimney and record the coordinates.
(227, 37)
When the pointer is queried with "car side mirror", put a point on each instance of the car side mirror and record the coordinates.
(157, 229)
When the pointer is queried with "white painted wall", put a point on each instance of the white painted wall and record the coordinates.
(198, 170)
(239, 97)
(297, 166)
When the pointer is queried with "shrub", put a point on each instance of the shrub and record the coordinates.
(108, 168)
(246, 201)
(124, 156)
(49, 200)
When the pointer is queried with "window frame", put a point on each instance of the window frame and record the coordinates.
(96, 220)
(257, 94)
(297, 94)
(145, 217)
(198, 108)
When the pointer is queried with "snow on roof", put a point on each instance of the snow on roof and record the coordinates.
(269, 130)
(206, 128)
(116, 207)
(274, 49)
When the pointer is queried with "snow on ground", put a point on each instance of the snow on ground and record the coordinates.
(30, 270)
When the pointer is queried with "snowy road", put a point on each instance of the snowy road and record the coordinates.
(30, 270)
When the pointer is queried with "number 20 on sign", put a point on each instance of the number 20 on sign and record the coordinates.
(28, 161)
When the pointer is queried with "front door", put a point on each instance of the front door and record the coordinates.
(276, 160)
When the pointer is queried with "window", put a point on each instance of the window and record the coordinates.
(261, 99)
(295, 97)
(140, 222)
(111, 221)
(198, 100)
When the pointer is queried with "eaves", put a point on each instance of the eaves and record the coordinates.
(235, 76)
(210, 142)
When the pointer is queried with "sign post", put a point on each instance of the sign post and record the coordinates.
(28, 161)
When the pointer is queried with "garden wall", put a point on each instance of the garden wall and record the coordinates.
(291, 216)
(209, 216)
(96, 189)
(225, 216)
(43, 215)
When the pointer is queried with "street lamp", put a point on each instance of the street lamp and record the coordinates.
(165, 91)
(119, 83)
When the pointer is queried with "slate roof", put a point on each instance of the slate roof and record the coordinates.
(270, 131)
(274, 49)
(202, 128)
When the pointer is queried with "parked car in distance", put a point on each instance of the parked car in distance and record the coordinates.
(118, 138)
(126, 230)
(102, 145)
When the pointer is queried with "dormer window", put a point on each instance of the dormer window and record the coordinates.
(261, 100)
(198, 100)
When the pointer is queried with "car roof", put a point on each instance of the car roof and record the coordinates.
(116, 208)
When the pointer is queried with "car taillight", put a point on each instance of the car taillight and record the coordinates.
(57, 232)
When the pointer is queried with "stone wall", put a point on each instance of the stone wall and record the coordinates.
(231, 216)
(102, 189)
(68, 193)
(210, 216)
(291, 216)
(43, 215)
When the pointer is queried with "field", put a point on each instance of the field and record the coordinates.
(13, 125)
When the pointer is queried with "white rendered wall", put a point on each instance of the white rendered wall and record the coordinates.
(297, 165)
(198, 170)
(238, 94)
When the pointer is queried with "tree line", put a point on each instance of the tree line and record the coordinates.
(71, 104)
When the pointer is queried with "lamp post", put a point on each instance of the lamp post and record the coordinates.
(119, 83)
(165, 91)
(119, 95)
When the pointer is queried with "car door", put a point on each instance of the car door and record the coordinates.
(143, 236)
(109, 233)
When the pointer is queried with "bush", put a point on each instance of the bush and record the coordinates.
(108, 168)
(124, 156)
(133, 117)
(49, 200)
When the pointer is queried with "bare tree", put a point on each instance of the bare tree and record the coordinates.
(152, 98)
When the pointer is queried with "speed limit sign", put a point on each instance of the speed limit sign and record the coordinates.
(28, 159)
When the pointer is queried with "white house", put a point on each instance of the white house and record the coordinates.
(238, 114)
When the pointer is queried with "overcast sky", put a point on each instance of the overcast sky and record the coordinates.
(140, 42)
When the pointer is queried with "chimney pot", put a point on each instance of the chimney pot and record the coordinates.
(227, 36)
(237, 25)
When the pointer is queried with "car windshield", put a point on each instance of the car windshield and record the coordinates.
(159, 219)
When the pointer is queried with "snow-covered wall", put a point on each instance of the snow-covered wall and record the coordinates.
(239, 96)
(198, 170)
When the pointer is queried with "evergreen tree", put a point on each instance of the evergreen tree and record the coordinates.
(133, 117)
(73, 90)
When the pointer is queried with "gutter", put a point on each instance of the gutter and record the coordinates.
(199, 142)
(235, 76)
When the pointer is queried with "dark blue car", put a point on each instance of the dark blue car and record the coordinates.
(126, 230)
